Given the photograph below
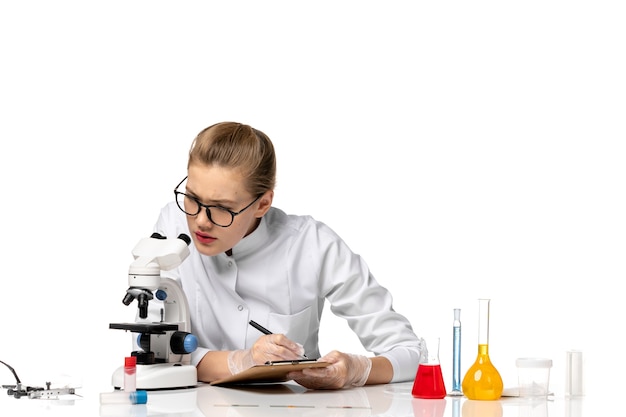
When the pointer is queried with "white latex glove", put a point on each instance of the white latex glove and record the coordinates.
(346, 370)
(272, 347)
(240, 360)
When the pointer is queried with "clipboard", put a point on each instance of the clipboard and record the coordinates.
(269, 372)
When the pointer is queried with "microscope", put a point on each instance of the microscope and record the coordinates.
(165, 344)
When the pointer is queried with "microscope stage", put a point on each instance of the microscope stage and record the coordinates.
(150, 328)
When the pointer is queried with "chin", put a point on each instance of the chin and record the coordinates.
(208, 251)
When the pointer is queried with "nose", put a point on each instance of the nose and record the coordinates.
(202, 219)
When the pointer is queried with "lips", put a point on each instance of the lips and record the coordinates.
(205, 239)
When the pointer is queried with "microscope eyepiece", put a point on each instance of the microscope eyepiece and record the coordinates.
(184, 238)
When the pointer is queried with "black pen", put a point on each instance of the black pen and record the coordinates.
(259, 327)
(263, 329)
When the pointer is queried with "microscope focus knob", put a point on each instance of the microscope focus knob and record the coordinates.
(183, 342)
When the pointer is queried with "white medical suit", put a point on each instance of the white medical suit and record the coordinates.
(280, 276)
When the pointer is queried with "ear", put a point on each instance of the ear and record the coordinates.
(265, 202)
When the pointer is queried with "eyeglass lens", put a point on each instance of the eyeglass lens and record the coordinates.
(219, 216)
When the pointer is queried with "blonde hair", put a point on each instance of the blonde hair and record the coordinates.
(238, 146)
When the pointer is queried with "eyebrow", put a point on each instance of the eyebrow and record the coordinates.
(212, 202)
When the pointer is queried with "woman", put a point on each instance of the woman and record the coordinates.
(252, 262)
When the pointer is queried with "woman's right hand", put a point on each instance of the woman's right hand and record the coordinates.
(271, 347)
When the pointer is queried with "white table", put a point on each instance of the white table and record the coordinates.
(293, 400)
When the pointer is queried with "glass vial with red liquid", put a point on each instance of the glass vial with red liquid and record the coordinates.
(428, 382)
(130, 374)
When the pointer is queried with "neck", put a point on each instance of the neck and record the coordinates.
(253, 227)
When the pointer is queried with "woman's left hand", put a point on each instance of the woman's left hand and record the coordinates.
(345, 370)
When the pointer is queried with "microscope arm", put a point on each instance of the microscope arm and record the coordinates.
(175, 306)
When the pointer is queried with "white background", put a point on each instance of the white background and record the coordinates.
(465, 149)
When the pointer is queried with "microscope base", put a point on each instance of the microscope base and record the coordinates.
(160, 376)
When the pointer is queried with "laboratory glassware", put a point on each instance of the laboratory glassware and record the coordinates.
(428, 382)
(482, 380)
(456, 355)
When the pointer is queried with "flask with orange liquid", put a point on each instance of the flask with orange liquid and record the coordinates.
(482, 380)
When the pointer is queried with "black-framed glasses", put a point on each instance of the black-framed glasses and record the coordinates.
(218, 215)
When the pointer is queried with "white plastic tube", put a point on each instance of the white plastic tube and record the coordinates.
(121, 397)
(574, 373)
